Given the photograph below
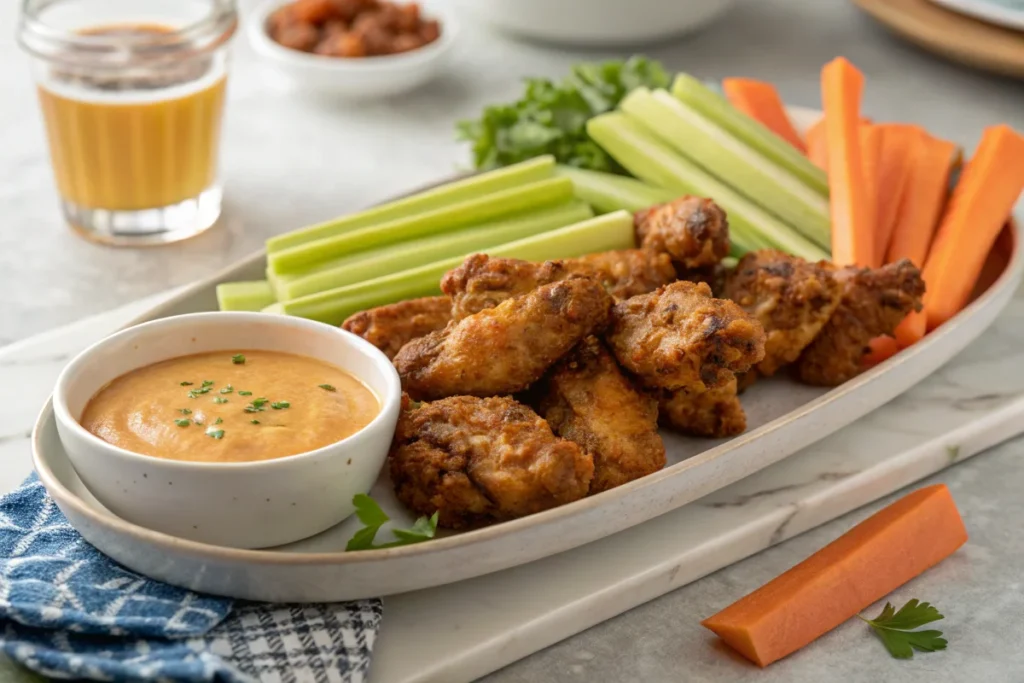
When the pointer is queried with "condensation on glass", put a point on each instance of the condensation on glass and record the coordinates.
(132, 95)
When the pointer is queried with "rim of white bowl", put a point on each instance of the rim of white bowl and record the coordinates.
(392, 396)
(262, 42)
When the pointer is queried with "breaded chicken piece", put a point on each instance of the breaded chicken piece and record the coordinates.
(714, 413)
(480, 460)
(792, 298)
(874, 302)
(391, 327)
(482, 282)
(626, 272)
(587, 399)
(504, 349)
(715, 276)
(692, 230)
(679, 337)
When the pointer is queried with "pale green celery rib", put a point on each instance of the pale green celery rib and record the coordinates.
(608, 192)
(477, 210)
(366, 265)
(711, 104)
(604, 233)
(249, 295)
(647, 158)
(741, 167)
(530, 171)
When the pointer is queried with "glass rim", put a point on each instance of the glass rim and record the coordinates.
(44, 41)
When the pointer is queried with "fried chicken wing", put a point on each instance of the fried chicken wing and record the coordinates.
(792, 298)
(391, 327)
(504, 349)
(482, 282)
(627, 272)
(714, 413)
(692, 230)
(479, 460)
(679, 337)
(874, 302)
(587, 399)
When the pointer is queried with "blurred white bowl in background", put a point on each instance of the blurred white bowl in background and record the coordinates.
(352, 78)
(596, 22)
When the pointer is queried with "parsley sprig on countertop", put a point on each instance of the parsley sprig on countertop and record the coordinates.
(370, 514)
(551, 118)
(895, 629)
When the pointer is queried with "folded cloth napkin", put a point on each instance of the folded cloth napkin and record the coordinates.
(68, 611)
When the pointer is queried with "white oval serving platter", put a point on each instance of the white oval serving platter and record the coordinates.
(784, 417)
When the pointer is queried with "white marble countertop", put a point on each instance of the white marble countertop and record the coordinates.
(289, 162)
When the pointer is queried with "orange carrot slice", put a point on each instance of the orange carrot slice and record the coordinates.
(853, 234)
(880, 349)
(871, 157)
(845, 577)
(980, 204)
(761, 101)
(817, 145)
(900, 147)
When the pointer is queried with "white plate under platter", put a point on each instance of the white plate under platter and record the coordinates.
(784, 417)
(993, 12)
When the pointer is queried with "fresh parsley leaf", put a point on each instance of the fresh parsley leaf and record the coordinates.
(371, 515)
(219, 399)
(185, 411)
(894, 628)
(215, 433)
(245, 393)
(227, 390)
(183, 422)
(207, 383)
(185, 384)
(255, 422)
(196, 393)
(256, 405)
(238, 359)
(218, 421)
(551, 118)
(280, 405)
(327, 387)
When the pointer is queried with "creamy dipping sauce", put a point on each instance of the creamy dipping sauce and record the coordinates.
(230, 407)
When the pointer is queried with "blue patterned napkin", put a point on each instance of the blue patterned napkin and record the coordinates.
(68, 611)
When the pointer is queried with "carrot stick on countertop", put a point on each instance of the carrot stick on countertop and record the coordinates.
(980, 204)
(845, 577)
(853, 233)
(900, 147)
(817, 146)
(871, 157)
(761, 102)
(920, 208)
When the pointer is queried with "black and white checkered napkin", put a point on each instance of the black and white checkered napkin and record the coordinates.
(68, 611)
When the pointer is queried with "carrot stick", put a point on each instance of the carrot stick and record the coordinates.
(871, 157)
(845, 577)
(853, 238)
(988, 188)
(761, 102)
(881, 349)
(900, 147)
(817, 147)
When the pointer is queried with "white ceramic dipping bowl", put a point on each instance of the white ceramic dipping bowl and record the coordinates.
(361, 78)
(241, 505)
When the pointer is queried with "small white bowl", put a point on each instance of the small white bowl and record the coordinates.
(352, 78)
(241, 505)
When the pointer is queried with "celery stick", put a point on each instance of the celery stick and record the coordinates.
(478, 185)
(608, 192)
(397, 257)
(715, 107)
(611, 231)
(647, 158)
(253, 295)
(725, 157)
(276, 308)
(477, 210)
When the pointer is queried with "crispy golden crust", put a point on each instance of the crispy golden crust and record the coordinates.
(714, 413)
(481, 460)
(692, 230)
(680, 337)
(504, 349)
(792, 298)
(874, 302)
(481, 282)
(587, 399)
(714, 276)
(391, 327)
(627, 272)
